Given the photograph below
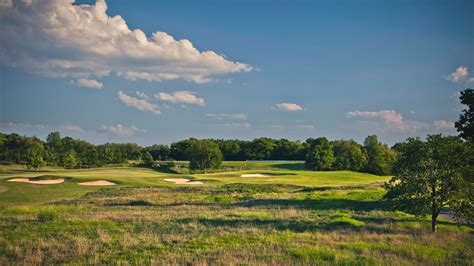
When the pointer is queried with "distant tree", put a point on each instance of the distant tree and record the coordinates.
(69, 160)
(430, 175)
(147, 159)
(179, 149)
(54, 139)
(465, 124)
(203, 155)
(320, 155)
(380, 157)
(260, 149)
(35, 156)
(349, 154)
(287, 150)
(159, 152)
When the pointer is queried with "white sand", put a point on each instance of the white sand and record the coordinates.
(97, 183)
(39, 182)
(183, 181)
(255, 175)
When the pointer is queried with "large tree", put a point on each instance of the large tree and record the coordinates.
(320, 155)
(465, 124)
(431, 175)
(203, 155)
(349, 154)
(380, 157)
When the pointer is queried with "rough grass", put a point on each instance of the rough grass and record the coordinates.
(226, 222)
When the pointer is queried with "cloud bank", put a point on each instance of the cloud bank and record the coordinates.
(59, 38)
(120, 130)
(391, 120)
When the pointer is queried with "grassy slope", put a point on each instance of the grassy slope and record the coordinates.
(146, 220)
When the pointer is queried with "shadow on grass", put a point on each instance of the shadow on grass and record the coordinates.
(317, 204)
(290, 166)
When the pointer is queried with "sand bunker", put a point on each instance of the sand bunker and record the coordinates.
(39, 182)
(255, 175)
(183, 181)
(97, 183)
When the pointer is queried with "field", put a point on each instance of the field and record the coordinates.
(290, 216)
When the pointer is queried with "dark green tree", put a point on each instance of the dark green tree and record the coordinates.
(203, 155)
(465, 124)
(380, 157)
(69, 160)
(430, 175)
(35, 155)
(320, 155)
(147, 159)
(349, 154)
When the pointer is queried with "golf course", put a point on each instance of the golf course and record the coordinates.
(268, 213)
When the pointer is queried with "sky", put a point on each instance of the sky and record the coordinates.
(161, 71)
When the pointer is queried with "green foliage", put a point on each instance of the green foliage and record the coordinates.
(320, 155)
(349, 155)
(147, 159)
(429, 176)
(465, 124)
(380, 157)
(69, 160)
(46, 216)
(35, 156)
(203, 155)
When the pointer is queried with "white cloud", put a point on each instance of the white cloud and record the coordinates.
(291, 107)
(183, 97)
(238, 125)
(142, 95)
(60, 38)
(392, 121)
(443, 124)
(139, 104)
(74, 128)
(460, 75)
(89, 83)
(237, 116)
(120, 130)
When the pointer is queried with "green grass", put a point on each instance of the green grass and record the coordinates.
(294, 217)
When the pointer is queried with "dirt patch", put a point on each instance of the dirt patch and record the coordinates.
(38, 182)
(97, 183)
(183, 181)
(255, 175)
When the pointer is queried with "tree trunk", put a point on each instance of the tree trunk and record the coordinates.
(433, 223)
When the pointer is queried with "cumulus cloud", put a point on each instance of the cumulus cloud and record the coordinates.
(183, 97)
(291, 107)
(142, 95)
(237, 116)
(60, 38)
(120, 130)
(139, 104)
(443, 124)
(392, 121)
(89, 83)
(460, 75)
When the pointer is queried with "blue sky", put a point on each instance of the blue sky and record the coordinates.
(282, 69)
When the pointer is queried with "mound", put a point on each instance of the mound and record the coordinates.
(97, 183)
(38, 182)
(255, 175)
(183, 181)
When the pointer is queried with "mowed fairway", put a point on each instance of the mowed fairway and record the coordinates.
(288, 216)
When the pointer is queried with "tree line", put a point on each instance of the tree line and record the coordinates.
(319, 154)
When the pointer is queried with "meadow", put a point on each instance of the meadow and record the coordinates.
(288, 216)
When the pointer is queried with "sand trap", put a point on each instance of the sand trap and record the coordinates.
(255, 175)
(183, 181)
(97, 183)
(39, 182)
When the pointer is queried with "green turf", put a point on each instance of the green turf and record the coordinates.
(294, 217)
